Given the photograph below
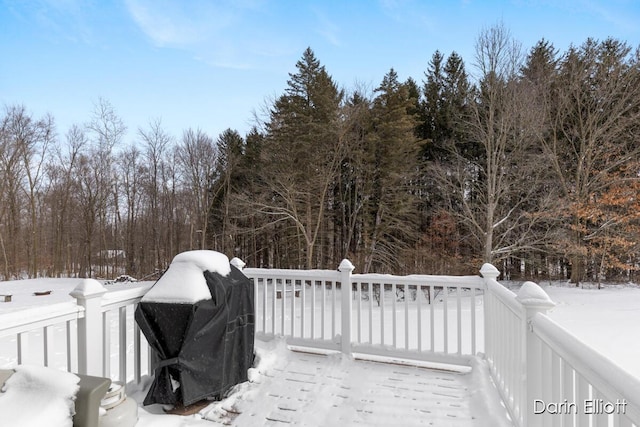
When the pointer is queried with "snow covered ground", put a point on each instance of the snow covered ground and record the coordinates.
(605, 318)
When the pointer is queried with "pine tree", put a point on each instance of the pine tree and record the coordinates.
(222, 219)
(431, 127)
(391, 207)
(445, 100)
(302, 155)
(351, 186)
(455, 94)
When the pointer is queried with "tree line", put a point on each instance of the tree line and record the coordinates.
(528, 160)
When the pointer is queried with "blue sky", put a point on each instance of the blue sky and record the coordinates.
(210, 64)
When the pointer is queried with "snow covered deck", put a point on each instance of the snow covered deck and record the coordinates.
(294, 388)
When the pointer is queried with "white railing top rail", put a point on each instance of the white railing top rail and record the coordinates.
(123, 297)
(601, 372)
(412, 279)
(271, 273)
(25, 320)
(421, 279)
(506, 296)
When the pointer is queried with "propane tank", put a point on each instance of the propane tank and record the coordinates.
(117, 409)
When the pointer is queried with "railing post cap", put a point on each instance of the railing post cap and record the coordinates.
(346, 265)
(531, 295)
(238, 263)
(88, 288)
(488, 271)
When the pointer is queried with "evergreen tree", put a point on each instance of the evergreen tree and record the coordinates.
(351, 186)
(222, 221)
(541, 65)
(303, 155)
(455, 106)
(430, 129)
(537, 81)
(390, 211)
(445, 102)
(253, 239)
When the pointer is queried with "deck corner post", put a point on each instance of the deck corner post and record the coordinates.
(88, 294)
(345, 269)
(534, 300)
(489, 271)
(237, 263)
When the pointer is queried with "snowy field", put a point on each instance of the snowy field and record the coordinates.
(606, 319)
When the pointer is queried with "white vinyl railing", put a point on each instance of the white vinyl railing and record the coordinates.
(545, 375)
(39, 334)
(95, 335)
(565, 368)
(435, 318)
(503, 342)
(125, 352)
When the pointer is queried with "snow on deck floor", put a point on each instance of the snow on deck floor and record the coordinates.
(293, 388)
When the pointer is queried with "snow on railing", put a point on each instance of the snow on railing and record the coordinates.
(119, 329)
(303, 305)
(90, 336)
(503, 326)
(433, 318)
(35, 332)
(545, 374)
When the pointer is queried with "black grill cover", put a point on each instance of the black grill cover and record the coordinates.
(204, 348)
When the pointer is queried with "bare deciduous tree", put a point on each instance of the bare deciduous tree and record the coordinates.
(96, 184)
(493, 196)
(197, 155)
(592, 119)
(156, 142)
(23, 151)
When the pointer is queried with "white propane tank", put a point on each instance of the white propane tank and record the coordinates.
(117, 409)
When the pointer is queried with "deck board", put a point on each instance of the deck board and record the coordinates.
(355, 393)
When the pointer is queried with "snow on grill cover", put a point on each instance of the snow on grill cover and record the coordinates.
(198, 317)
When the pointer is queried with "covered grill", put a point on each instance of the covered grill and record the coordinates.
(198, 317)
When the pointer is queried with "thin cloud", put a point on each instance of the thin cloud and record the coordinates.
(217, 33)
(626, 22)
(326, 28)
(176, 24)
(620, 14)
(408, 12)
(58, 19)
